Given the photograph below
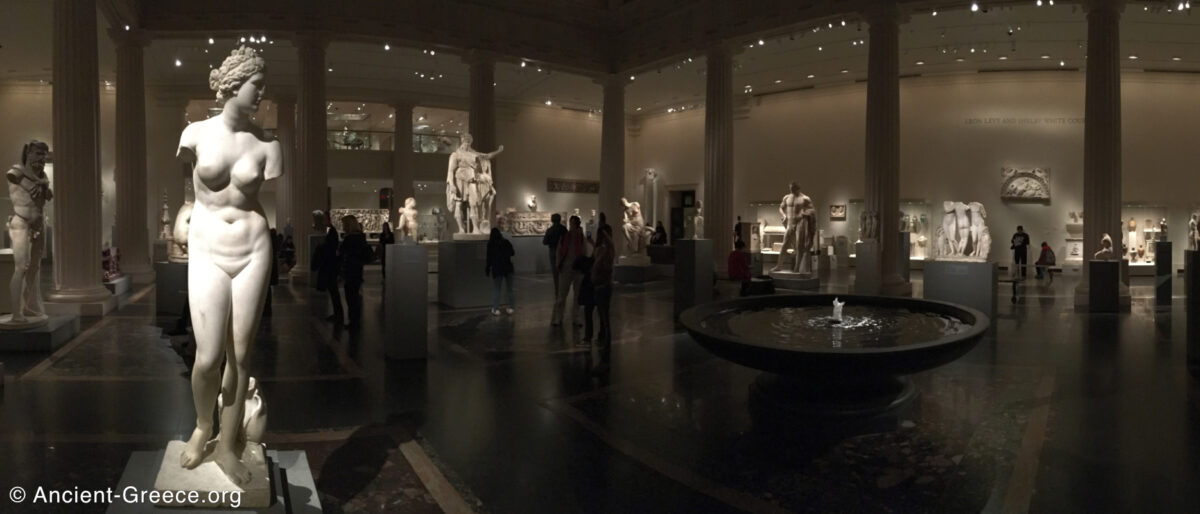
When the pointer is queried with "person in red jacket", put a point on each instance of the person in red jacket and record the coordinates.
(739, 262)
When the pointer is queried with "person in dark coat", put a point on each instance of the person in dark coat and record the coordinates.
(325, 264)
(385, 238)
(354, 254)
(1020, 248)
(551, 239)
(500, 268)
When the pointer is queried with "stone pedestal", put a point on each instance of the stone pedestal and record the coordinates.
(1191, 287)
(461, 282)
(966, 283)
(160, 250)
(48, 336)
(170, 287)
(6, 272)
(120, 285)
(796, 281)
(693, 273)
(531, 255)
(210, 482)
(1104, 286)
(633, 269)
(903, 266)
(867, 267)
(294, 489)
(1162, 275)
(406, 302)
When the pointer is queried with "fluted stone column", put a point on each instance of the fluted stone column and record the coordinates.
(718, 153)
(612, 149)
(402, 154)
(482, 117)
(312, 179)
(76, 150)
(132, 239)
(883, 142)
(289, 199)
(1101, 131)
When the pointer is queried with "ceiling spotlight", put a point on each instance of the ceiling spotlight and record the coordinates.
(330, 70)
(127, 26)
(1039, 3)
(548, 102)
(974, 6)
(1176, 58)
(1003, 57)
(778, 81)
(819, 48)
(631, 77)
(1062, 63)
(935, 12)
(845, 71)
(843, 23)
(638, 109)
(1051, 3)
(210, 40)
(920, 63)
(243, 40)
(178, 63)
(421, 118)
(972, 49)
(387, 47)
(959, 59)
(433, 52)
(761, 42)
(811, 75)
(391, 115)
(1045, 56)
(522, 64)
(1133, 57)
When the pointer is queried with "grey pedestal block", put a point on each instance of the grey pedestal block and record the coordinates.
(868, 275)
(461, 282)
(170, 287)
(903, 264)
(406, 302)
(1162, 273)
(1191, 283)
(120, 286)
(46, 338)
(693, 273)
(314, 241)
(633, 273)
(531, 256)
(966, 283)
(1104, 286)
(291, 478)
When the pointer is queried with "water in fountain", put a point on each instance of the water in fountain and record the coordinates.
(813, 328)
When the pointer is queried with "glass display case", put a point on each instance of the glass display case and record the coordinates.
(1142, 225)
(915, 220)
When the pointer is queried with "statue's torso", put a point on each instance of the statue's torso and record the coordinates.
(24, 204)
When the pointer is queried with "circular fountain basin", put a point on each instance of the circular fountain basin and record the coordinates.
(797, 335)
(819, 367)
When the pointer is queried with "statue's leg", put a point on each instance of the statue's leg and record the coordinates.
(18, 230)
(33, 277)
(249, 294)
(209, 290)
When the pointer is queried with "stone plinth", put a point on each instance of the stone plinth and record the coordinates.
(51, 334)
(120, 285)
(170, 287)
(531, 256)
(1104, 286)
(210, 482)
(693, 273)
(406, 302)
(962, 282)
(796, 281)
(1162, 275)
(461, 282)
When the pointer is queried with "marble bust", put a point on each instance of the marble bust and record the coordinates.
(29, 189)
(800, 231)
(469, 189)
(229, 250)
(178, 250)
(532, 205)
(406, 222)
(1105, 253)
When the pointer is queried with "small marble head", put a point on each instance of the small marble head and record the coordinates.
(467, 139)
(241, 65)
(34, 154)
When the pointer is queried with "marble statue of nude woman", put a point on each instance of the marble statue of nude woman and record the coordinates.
(229, 249)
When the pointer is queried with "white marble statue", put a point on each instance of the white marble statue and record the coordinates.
(406, 220)
(439, 222)
(1193, 234)
(229, 250)
(698, 222)
(590, 226)
(837, 309)
(1105, 253)
(164, 220)
(964, 235)
(868, 225)
(178, 249)
(29, 190)
(469, 189)
(800, 231)
(637, 234)
(650, 194)
(532, 203)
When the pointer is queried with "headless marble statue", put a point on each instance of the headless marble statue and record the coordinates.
(29, 189)
(229, 250)
(407, 220)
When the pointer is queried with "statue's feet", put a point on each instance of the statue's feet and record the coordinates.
(232, 466)
(193, 453)
(17, 318)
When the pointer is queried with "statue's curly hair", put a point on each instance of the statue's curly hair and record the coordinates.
(241, 64)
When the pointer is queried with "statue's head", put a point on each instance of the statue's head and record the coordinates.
(410, 203)
(467, 140)
(34, 154)
(240, 78)
(318, 218)
(794, 188)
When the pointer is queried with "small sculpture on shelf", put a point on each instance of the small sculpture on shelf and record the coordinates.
(964, 234)
(110, 263)
(406, 221)
(800, 231)
(698, 222)
(164, 220)
(178, 250)
(633, 226)
(868, 225)
(1162, 229)
(1105, 253)
(532, 205)
(469, 187)
(29, 190)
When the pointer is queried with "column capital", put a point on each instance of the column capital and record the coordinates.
(403, 104)
(478, 57)
(310, 38)
(132, 37)
(885, 11)
(1110, 6)
(608, 80)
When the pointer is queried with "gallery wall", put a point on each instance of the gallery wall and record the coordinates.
(957, 132)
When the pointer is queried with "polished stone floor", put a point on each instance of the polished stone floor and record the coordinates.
(1053, 411)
